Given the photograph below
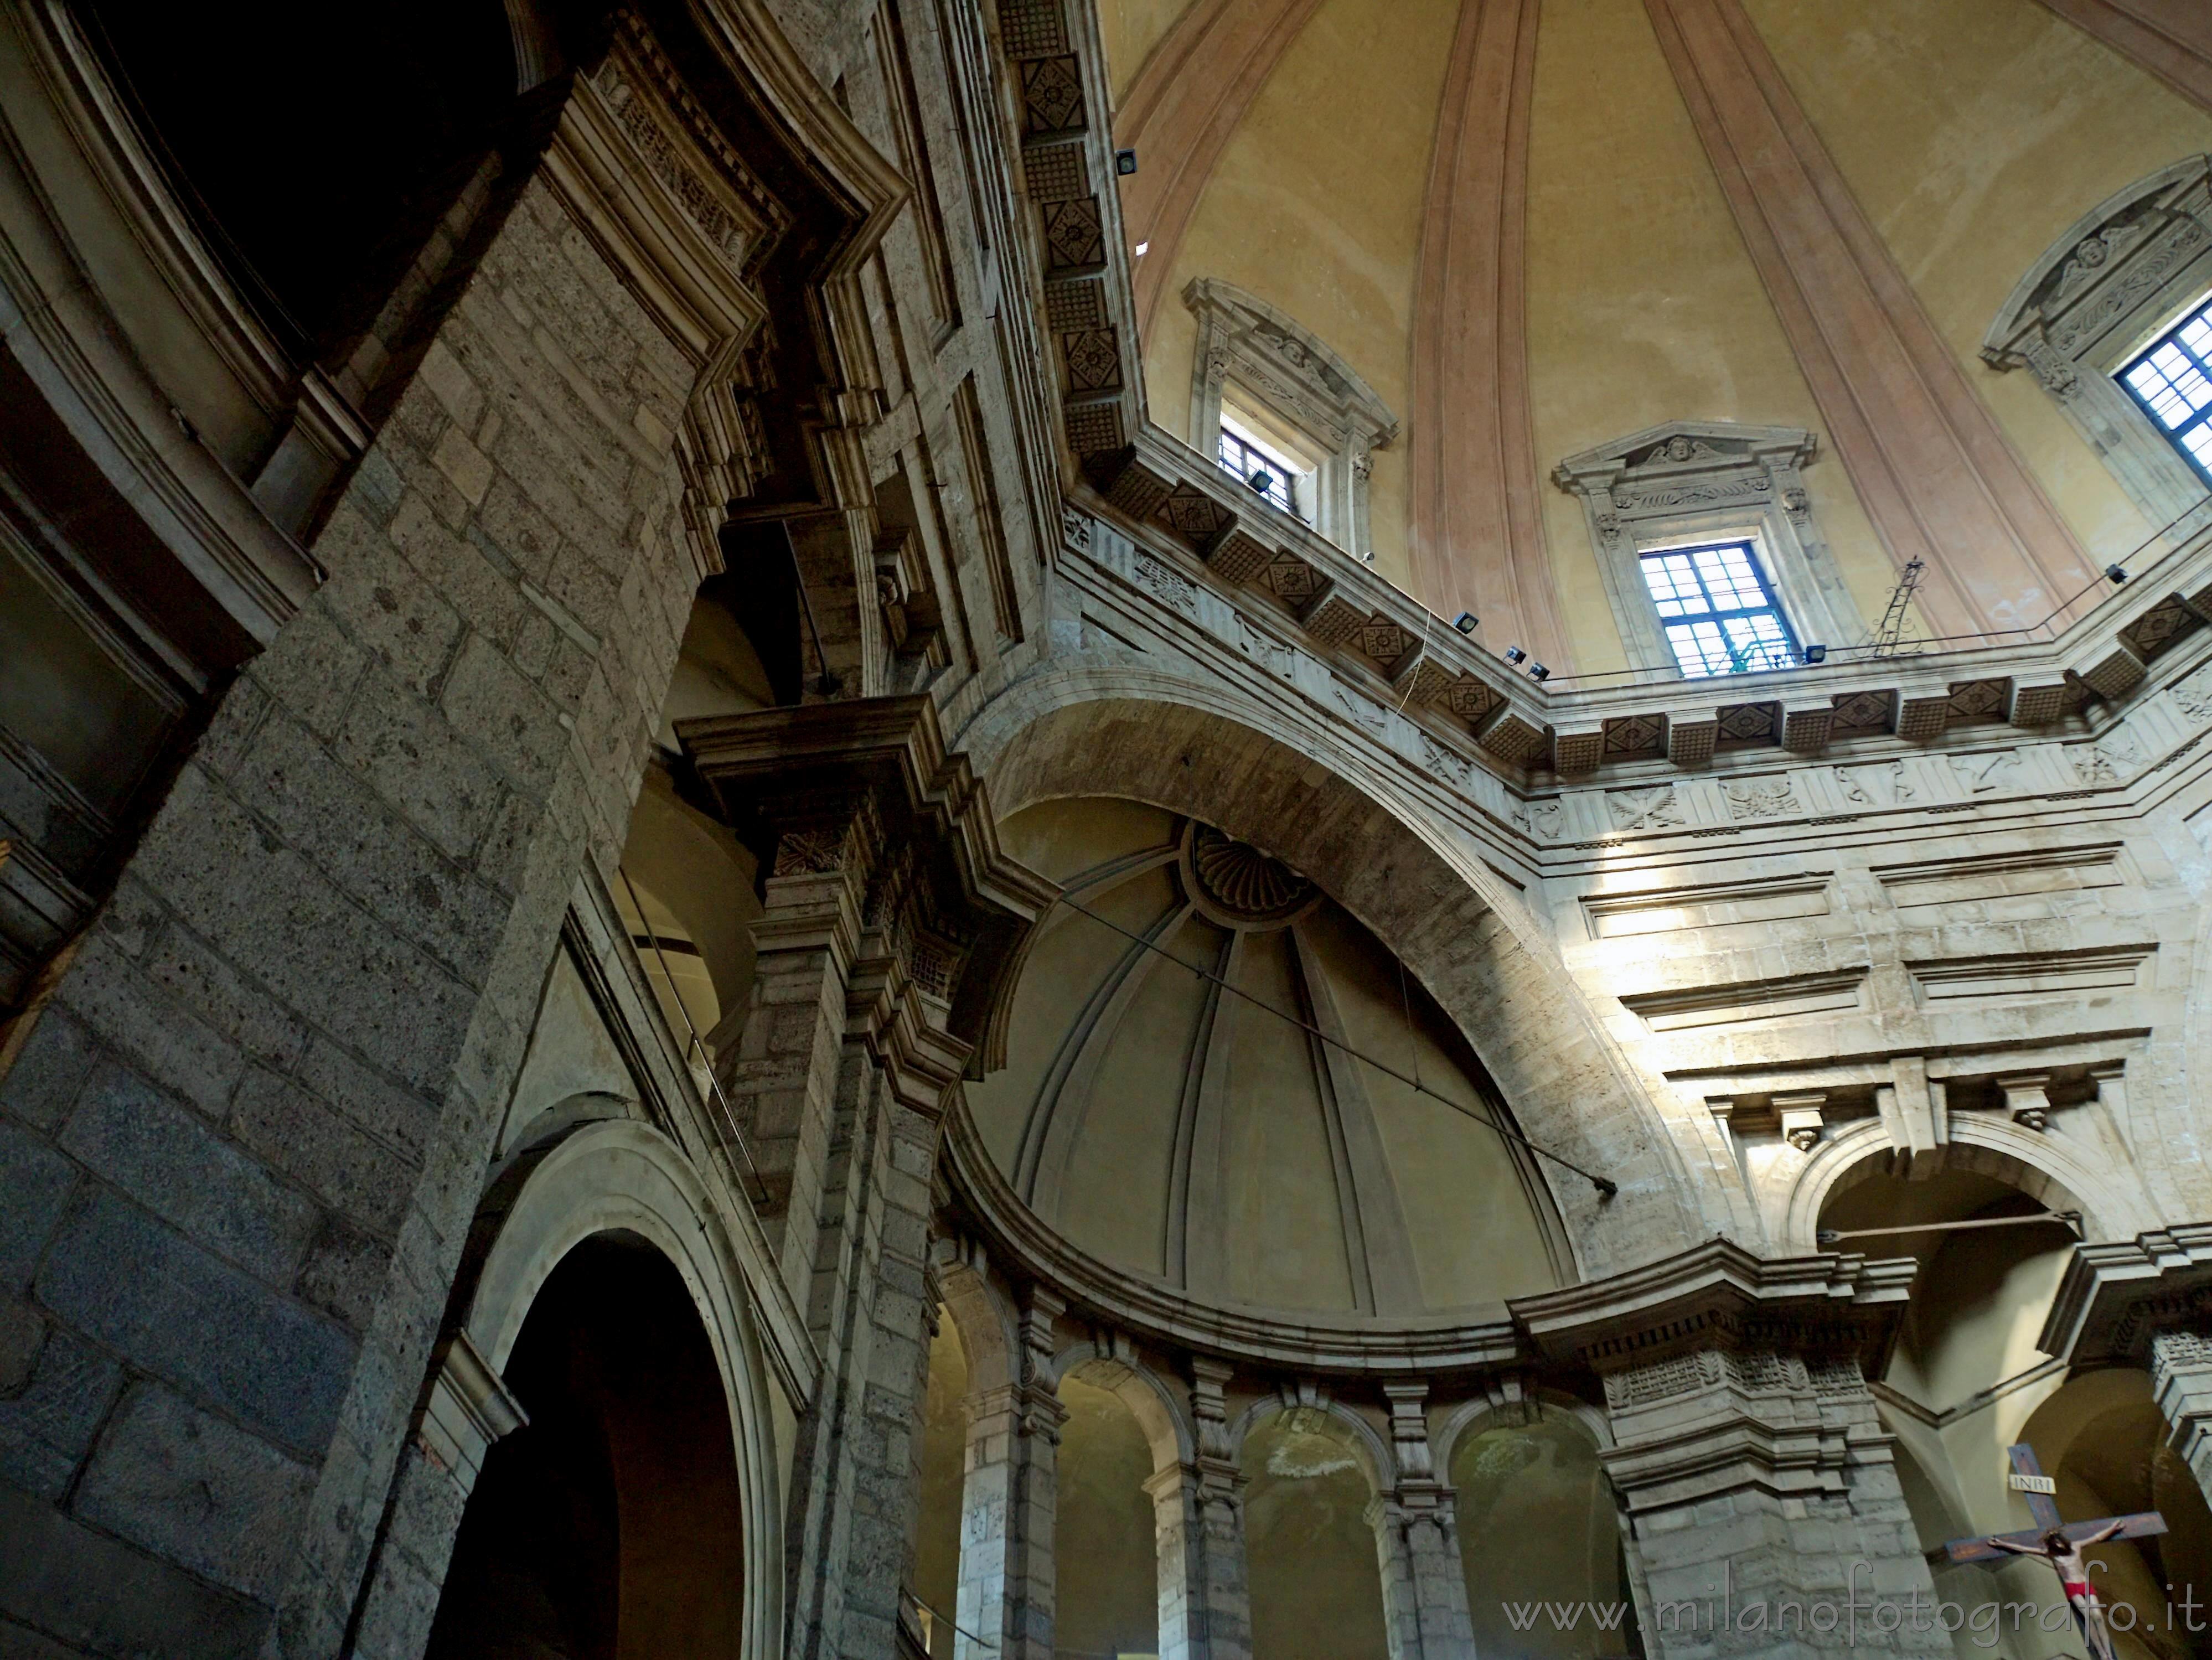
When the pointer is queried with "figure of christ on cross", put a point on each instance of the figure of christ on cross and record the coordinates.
(2061, 1544)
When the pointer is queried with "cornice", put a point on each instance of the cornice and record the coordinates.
(2115, 1295)
(1720, 1295)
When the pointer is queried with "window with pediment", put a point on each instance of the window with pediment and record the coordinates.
(2114, 322)
(1710, 548)
(1263, 383)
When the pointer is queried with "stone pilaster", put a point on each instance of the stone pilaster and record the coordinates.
(1417, 1544)
(890, 913)
(1009, 1501)
(2146, 1303)
(2181, 1378)
(468, 1409)
(781, 1077)
(1754, 1479)
(1746, 1448)
(1197, 1509)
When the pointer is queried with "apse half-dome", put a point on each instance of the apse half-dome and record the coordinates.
(1209, 1085)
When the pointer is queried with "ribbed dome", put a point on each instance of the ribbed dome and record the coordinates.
(1184, 1102)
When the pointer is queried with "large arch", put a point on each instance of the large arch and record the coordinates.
(1155, 736)
(2040, 1165)
(621, 1176)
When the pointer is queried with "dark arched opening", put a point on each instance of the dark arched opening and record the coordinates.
(610, 1527)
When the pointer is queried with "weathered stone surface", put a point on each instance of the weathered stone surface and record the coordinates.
(37, 1181)
(169, 1162)
(79, 1587)
(197, 1491)
(47, 1425)
(125, 1279)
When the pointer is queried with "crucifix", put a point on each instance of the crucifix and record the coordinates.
(2059, 1544)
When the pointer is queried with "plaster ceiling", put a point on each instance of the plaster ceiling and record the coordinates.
(1505, 214)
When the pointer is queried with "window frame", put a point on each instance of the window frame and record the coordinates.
(1769, 595)
(2198, 314)
(2114, 285)
(1687, 484)
(1296, 498)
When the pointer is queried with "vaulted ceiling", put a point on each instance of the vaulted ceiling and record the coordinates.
(1535, 226)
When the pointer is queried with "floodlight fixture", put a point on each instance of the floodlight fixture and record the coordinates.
(1465, 622)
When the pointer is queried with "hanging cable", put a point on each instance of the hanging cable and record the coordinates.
(1607, 1188)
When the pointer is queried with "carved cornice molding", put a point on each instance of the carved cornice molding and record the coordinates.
(865, 790)
(2116, 1296)
(1719, 1295)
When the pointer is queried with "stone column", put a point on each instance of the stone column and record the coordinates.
(1754, 1480)
(1197, 1509)
(1417, 1543)
(1008, 1504)
(2181, 1379)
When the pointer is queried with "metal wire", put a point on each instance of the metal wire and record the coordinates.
(2071, 1219)
(1605, 1186)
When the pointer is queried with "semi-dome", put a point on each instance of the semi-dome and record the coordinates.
(1219, 1081)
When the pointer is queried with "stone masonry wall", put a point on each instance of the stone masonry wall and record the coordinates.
(239, 1152)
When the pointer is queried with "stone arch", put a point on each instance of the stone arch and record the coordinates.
(1444, 1439)
(2039, 1166)
(1151, 1399)
(624, 1176)
(1328, 1416)
(989, 1334)
(1201, 749)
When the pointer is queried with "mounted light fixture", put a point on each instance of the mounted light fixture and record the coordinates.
(1815, 655)
(2115, 573)
(1125, 162)
(1514, 655)
(1464, 622)
(1537, 671)
(1261, 482)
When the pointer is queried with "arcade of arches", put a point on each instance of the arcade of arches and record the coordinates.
(1103, 830)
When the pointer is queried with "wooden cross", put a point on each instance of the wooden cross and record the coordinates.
(2028, 1478)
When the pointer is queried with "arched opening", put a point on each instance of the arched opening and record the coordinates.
(610, 1526)
(1965, 1373)
(1315, 1580)
(363, 127)
(2104, 1439)
(936, 1582)
(1539, 1524)
(1106, 1578)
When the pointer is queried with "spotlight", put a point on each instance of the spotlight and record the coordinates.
(2117, 575)
(1143, 248)
(1815, 655)
(1125, 162)
(1465, 622)
(1514, 655)
(1261, 482)
(1537, 671)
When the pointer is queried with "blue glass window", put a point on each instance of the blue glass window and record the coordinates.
(1720, 616)
(2173, 383)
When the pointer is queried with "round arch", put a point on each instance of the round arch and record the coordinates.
(1150, 1398)
(2040, 1167)
(1153, 736)
(1476, 1415)
(1326, 1415)
(622, 1177)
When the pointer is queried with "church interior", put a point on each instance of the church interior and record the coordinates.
(1105, 830)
